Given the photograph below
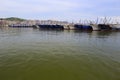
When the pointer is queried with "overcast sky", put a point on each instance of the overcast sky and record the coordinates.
(59, 9)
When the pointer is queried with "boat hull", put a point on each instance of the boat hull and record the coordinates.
(95, 27)
(115, 26)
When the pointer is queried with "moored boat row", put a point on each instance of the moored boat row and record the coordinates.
(94, 27)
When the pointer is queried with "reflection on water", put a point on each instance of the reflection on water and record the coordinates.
(32, 54)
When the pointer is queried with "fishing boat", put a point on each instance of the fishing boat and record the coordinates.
(95, 27)
(35, 26)
(66, 27)
(104, 27)
(86, 27)
(115, 26)
(78, 26)
(51, 27)
(71, 27)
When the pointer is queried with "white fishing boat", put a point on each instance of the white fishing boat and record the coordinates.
(66, 27)
(71, 26)
(95, 27)
(115, 26)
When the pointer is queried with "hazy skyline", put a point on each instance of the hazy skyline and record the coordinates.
(59, 9)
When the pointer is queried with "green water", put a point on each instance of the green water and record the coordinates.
(31, 54)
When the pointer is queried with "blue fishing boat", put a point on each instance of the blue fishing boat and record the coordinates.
(78, 27)
(51, 27)
(87, 27)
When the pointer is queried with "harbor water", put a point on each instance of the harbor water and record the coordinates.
(33, 54)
